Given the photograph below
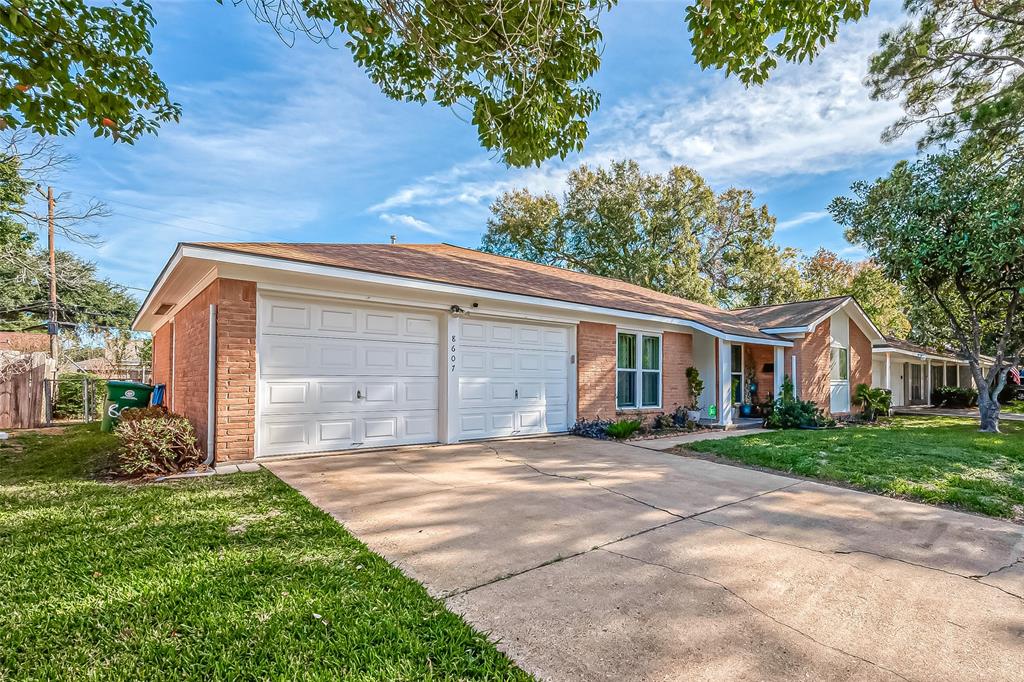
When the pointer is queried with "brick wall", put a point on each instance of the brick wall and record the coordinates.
(860, 361)
(595, 369)
(236, 370)
(190, 383)
(813, 365)
(676, 355)
(162, 359)
(596, 362)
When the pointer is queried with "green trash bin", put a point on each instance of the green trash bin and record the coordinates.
(122, 394)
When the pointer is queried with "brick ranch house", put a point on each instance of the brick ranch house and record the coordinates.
(285, 349)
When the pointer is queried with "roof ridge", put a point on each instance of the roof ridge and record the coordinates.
(807, 300)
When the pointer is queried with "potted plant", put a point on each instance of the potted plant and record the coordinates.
(749, 388)
(696, 388)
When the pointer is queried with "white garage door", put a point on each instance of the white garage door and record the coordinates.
(512, 379)
(335, 376)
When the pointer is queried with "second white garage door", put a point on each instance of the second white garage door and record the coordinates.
(335, 376)
(512, 379)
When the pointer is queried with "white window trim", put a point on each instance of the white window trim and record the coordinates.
(742, 372)
(838, 349)
(640, 370)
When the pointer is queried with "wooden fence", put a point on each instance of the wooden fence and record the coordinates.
(21, 399)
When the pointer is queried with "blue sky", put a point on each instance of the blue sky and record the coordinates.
(294, 144)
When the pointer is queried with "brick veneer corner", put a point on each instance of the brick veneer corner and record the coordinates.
(236, 370)
(595, 370)
(860, 361)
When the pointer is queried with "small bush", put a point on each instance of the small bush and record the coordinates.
(954, 396)
(591, 428)
(624, 428)
(873, 401)
(664, 421)
(130, 414)
(164, 445)
(790, 413)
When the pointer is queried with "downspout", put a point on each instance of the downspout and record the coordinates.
(211, 381)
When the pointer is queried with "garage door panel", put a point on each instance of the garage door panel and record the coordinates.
(340, 319)
(295, 434)
(512, 379)
(356, 394)
(336, 376)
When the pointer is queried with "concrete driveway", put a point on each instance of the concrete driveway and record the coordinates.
(591, 560)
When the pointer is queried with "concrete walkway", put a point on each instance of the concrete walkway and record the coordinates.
(967, 412)
(590, 560)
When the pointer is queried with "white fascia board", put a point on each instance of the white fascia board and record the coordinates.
(172, 263)
(245, 259)
(917, 356)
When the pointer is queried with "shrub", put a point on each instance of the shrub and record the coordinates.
(163, 445)
(624, 428)
(664, 421)
(954, 396)
(695, 386)
(591, 428)
(873, 401)
(790, 413)
(130, 414)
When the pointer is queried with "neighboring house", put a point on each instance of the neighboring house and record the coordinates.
(114, 362)
(912, 372)
(324, 347)
(832, 347)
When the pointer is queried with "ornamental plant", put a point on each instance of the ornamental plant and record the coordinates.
(157, 445)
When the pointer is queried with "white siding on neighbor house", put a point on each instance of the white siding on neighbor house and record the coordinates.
(840, 338)
(704, 362)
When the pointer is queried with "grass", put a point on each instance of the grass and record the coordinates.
(1014, 407)
(930, 459)
(228, 577)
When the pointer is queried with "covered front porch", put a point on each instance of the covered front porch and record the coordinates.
(739, 377)
(912, 377)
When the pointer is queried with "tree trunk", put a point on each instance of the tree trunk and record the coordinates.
(989, 409)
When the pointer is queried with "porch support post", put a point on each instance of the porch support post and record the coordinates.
(945, 380)
(780, 370)
(724, 383)
(888, 372)
(927, 382)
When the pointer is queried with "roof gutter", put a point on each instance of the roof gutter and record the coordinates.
(362, 276)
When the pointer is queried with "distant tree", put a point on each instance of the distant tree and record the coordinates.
(826, 274)
(85, 298)
(665, 232)
(949, 228)
(957, 68)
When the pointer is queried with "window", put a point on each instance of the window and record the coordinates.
(736, 351)
(840, 364)
(638, 371)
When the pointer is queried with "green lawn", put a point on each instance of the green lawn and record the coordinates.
(230, 577)
(931, 459)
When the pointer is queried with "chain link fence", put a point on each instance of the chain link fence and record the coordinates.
(74, 398)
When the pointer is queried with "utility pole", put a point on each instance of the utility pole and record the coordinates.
(51, 327)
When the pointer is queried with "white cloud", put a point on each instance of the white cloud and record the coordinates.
(809, 119)
(411, 222)
(801, 219)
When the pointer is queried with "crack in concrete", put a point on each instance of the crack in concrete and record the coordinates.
(761, 611)
(630, 497)
(997, 570)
